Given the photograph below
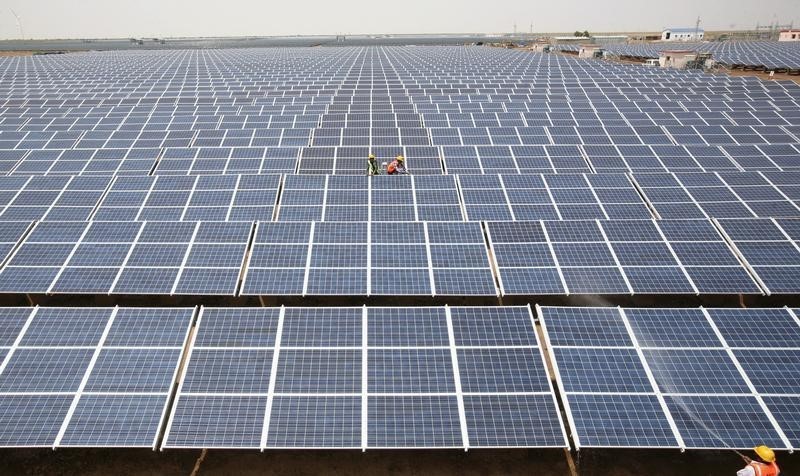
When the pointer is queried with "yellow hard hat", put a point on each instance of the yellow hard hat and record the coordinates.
(765, 453)
(371, 156)
(400, 158)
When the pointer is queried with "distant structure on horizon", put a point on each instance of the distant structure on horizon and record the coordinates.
(682, 34)
(789, 35)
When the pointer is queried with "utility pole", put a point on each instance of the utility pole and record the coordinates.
(515, 28)
(19, 24)
(697, 29)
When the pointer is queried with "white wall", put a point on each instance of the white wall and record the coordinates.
(787, 35)
(681, 36)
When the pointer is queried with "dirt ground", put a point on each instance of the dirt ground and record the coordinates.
(15, 53)
(344, 463)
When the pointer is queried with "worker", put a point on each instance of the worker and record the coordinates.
(372, 166)
(398, 166)
(765, 464)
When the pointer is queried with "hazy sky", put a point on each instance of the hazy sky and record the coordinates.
(141, 18)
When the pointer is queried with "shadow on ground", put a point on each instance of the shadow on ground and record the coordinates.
(342, 463)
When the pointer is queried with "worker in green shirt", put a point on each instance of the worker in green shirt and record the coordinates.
(372, 166)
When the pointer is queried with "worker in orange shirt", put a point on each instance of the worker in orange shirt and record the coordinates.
(764, 465)
(398, 166)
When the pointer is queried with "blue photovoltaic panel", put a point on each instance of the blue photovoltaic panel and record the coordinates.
(150, 327)
(319, 371)
(492, 326)
(407, 327)
(45, 370)
(12, 320)
(736, 325)
(237, 327)
(134, 370)
(410, 371)
(321, 327)
(216, 422)
(671, 328)
(410, 378)
(713, 394)
(694, 371)
(627, 421)
(722, 421)
(32, 420)
(502, 370)
(771, 370)
(115, 420)
(228, 371)
(512, 420)
(66, 327)
(585, 326)
(126, 387)
(315, 422)
(413, 422)
(601, 370)
(786, 411)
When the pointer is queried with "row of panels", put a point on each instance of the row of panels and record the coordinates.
(422, 160)
(717, 127)
(769, 54)
(116, 122)
(275, 378)
(732, 256)
(423, 377)
(400, 198)
(608, 131)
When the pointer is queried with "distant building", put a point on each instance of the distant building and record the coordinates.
(677, 59)
(609, 39)
(541, 47)
(567, 40)
(789, 35)
(590, 51)
(682, 34)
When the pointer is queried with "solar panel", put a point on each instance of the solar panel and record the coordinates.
(129, 258)
(717, 195)
(360, 259)
(727, 421)
(679, 367)
(624, 420)
(420, 377)
(315, 422)
(81, 377)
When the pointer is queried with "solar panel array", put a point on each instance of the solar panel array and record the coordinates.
(717, 195)
(369, 259)
(242, 173)
(196, 258)
(616, 257)
(88, 376)
(365, 378)
(207, 197)
(353, 198)
(405, 198)
(556, 257)
(557, 197)
(771, 55)
(394, 377)
(687, 378)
